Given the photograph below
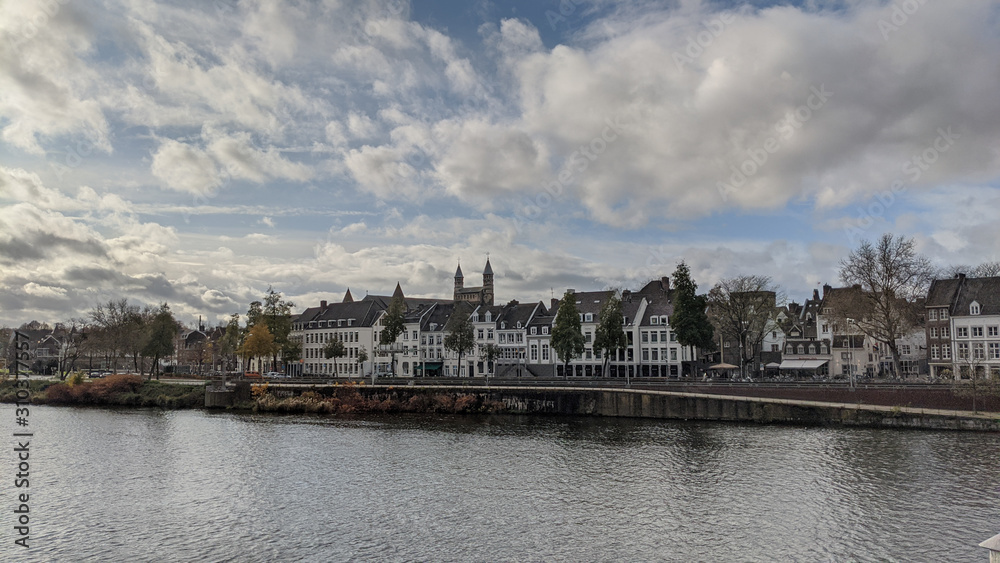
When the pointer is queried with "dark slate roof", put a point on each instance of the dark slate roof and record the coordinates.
(985, 291)
(439, 316)
(348, 298)
(591, 301)
(513, 313)
(488, 270)
(542, 320)
(855, 341)
(458, 272)
(364, 313)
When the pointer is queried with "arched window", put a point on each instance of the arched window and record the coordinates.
(802, 349)
(974, 309)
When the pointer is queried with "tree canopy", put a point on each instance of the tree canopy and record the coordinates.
(461, 337)
(610, 335)
(690, 320)
(744, 309)
(567, 336)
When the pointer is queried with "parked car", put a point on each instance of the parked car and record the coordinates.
(274, 374)
(252, 375)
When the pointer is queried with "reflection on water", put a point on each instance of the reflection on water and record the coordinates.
(184, 486)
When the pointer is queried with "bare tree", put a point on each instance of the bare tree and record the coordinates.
(890, 275)
(744, 309)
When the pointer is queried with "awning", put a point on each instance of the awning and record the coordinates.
(773, 365)
(428, 365)
(723, 366)
(802, 364)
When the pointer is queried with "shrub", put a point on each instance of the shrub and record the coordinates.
(59, 393)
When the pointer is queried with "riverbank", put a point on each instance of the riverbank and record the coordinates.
(113, 390)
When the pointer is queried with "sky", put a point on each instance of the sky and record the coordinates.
(197, 152)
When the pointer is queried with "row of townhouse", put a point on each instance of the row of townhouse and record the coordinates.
(520, 334)
(963, 327)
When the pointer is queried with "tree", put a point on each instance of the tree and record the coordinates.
(362, 358)
(116, 322)
(259, 343)
(159, 339)
(461, 337)
(744, 309)
(334, 349)
(567, 336)
(277, 313)
(610, 335)
(230, 342)
(890, 275)
(393, 325)
(690, 320)
(490, 353)
(976, 378)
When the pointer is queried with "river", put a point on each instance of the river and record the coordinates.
(147, 485)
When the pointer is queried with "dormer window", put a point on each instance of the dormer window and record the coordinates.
(489, 316)
(589, 317)
(654, 320)
(545, 330)
(475, 318)
(974, 309)
(518, 324)
(534, 330)
(663, 320)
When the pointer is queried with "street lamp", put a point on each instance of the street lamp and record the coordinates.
(850, 347)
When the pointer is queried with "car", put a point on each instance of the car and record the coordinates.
(252, 375)
(274, 374)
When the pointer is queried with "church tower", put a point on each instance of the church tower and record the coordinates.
(488, 284)
(459, 281)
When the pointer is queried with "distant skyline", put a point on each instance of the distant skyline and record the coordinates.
(198, 152)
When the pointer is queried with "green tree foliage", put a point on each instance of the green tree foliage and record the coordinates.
(690, 320)
(229, 344)
(567, 336)
(393, 325)
(277, 314)
(334, 349)
(461, 337)
(610, 335)
(160, 337)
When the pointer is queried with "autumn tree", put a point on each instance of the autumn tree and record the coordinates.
(744, 309)
(259, 343)
(610, 336)
(461, 337)
(334, 349)
(159, 339)
(890, 275)
(567, 336)
(690, 320)
(229, 344)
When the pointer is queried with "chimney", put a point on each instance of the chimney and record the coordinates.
(815, 295)
(665, 282)
(322, 304)
(555, 303)
(826, 289)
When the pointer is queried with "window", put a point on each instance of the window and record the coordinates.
(933, 332)
(663, 320)
(775, 347)
(932, 315)
(489, 333)
(961, 332)
(977, 332)
(845, 356)
(979, 351)
(727, 344)
(943, 314)
(545, 330)
(589, 317)
(645, 355)
(587, 337)
(673, 354)
(545, 352)
(991, 331)
(652, 336)
(788, 349)
(935, 352)
(654, 320)
(534, 330)
(802, 349)
(904, 349)
(946, 352)
(974, 308)
(534, 352)
(480, 334)
(963, 350)
(826, 327)
(995, 350)
(663, 336)
(645, 337)
(945, 332)
(812, 348)
(822, 349)
(489, 317)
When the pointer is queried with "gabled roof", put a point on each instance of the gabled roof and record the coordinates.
(514, 312)
(348, 298)
(985, 291)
